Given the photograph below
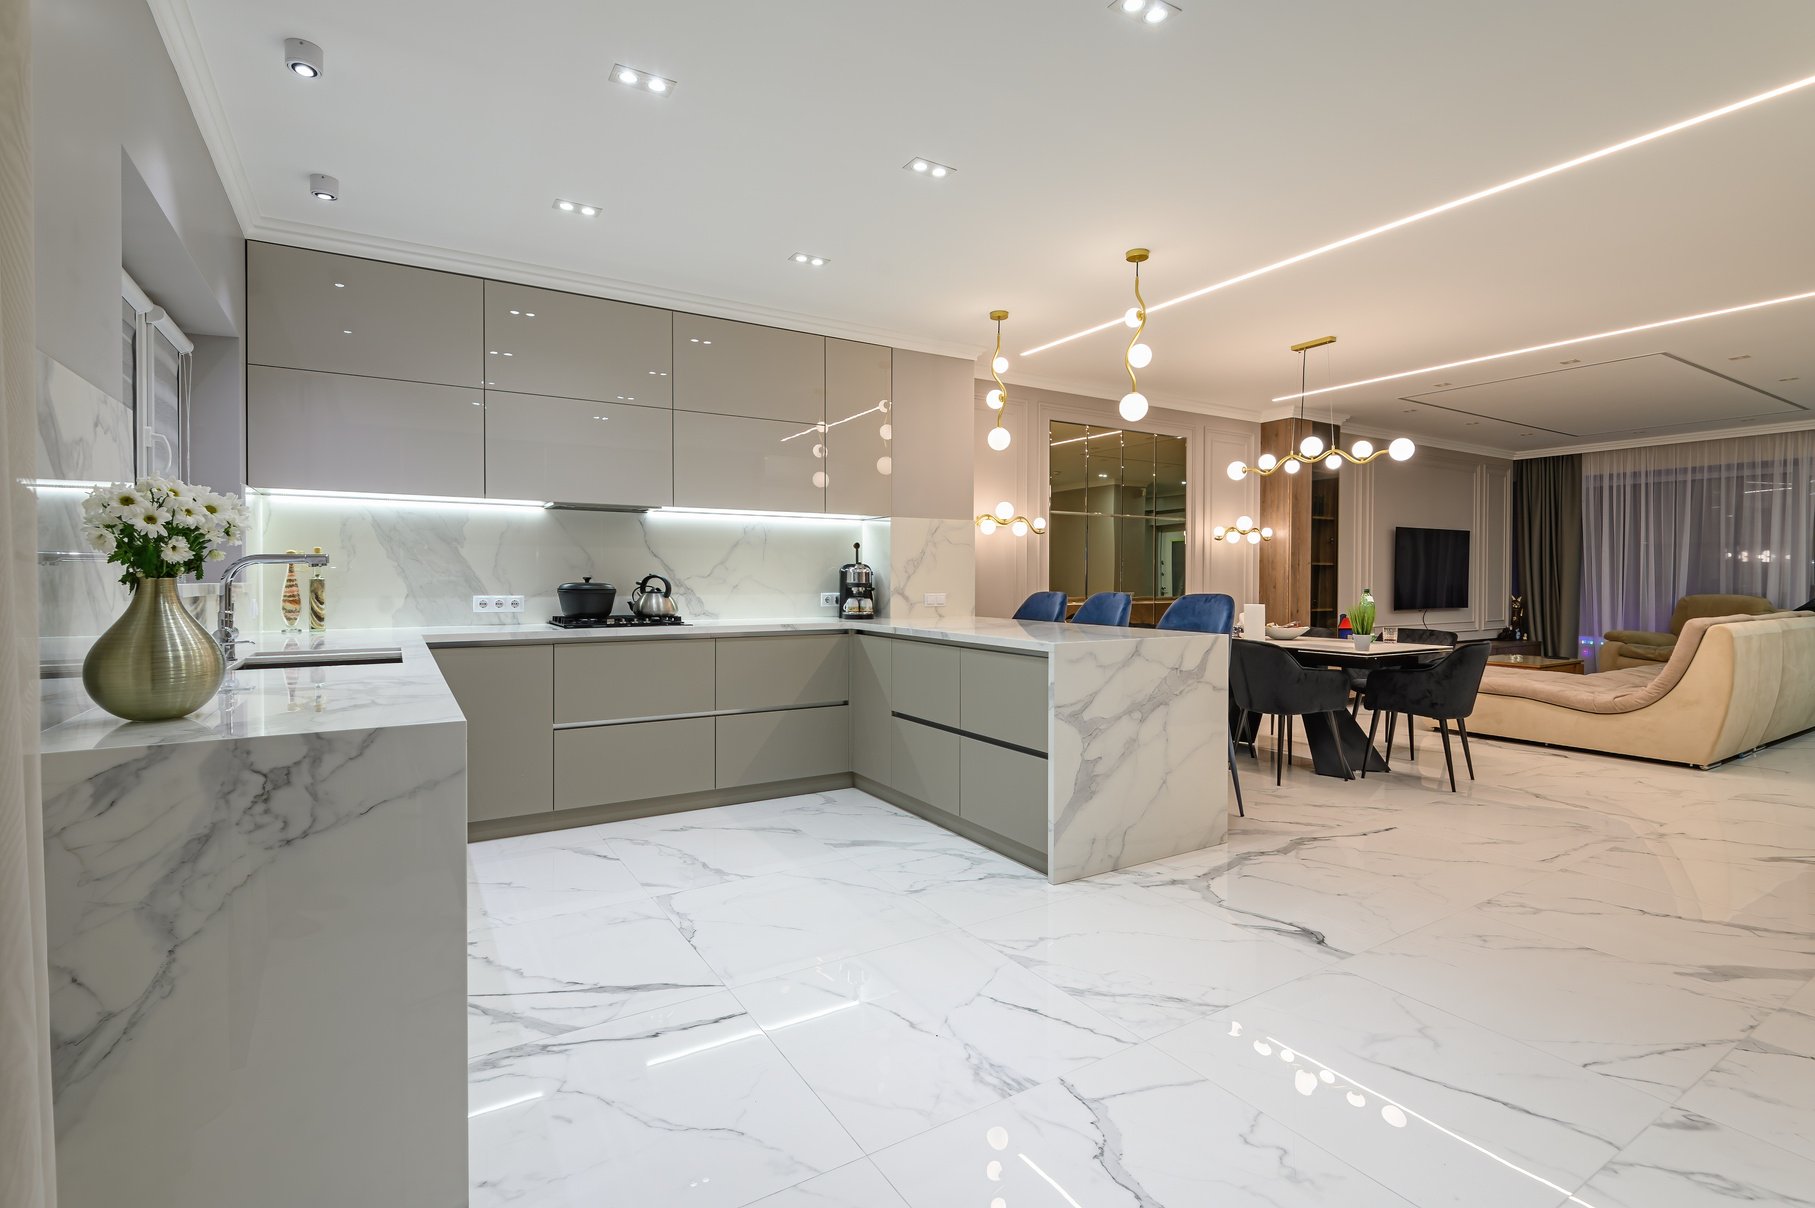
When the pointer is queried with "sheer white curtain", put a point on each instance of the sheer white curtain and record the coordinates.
(1729, 516)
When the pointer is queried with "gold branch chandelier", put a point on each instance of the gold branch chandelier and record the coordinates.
(1311, 449)
(1006, 517)
(998, 398)
(1242, 528)
(1138, 356)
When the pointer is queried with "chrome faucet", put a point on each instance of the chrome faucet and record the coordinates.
(228, 634)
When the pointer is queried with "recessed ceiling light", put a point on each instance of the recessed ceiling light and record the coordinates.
(583, 209)
(346, 331)
(340, 285)
(516, 312)
(808, 259)
(642, 81)
(1147, 12)
(303, 57)
(1599, 335)
(1445, 207)
(529, 314)
(921, 166)
(324, 188)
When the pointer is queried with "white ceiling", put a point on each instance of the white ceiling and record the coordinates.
(1235, 135)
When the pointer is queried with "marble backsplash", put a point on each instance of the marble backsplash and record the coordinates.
(84, 435)
(407, 563)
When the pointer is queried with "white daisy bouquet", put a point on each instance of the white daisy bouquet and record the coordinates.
(158, 528)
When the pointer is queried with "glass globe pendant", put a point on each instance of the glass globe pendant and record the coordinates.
(997, 399)
(1133, 407)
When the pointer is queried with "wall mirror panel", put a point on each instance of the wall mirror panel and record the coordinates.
(1117, 516)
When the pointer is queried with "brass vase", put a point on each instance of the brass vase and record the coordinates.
(156, 662)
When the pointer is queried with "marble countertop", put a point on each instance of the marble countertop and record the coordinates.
(1038, 637)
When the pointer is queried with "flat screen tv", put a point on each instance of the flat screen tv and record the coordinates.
(1430, 568)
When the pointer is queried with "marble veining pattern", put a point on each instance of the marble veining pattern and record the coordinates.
(1562, 988)
(931, 556)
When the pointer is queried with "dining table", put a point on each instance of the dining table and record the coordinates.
(1329, 734)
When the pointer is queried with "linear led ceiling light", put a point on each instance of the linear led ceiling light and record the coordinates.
(1456, 204)
(1599, 335)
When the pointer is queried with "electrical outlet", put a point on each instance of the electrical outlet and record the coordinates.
(513, 603)
(497, 603)
(934, 599)
(828, 599)
(482, 603)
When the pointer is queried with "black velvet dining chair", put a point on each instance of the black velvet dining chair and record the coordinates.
(1208, 612)
(1443, 691)
(1266, 679)
(1042, 606)
(1358, 678)
(1105, 608)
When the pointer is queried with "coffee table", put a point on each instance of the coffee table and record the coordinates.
(1538, 662)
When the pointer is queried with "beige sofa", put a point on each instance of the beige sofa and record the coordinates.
(1642, 648)
(1731, 684)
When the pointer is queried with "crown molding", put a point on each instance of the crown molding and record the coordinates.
(176, 26)
(1674, 438)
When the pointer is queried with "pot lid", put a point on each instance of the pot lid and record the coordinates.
(587, 585)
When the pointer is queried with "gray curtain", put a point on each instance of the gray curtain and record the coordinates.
(1547, 518)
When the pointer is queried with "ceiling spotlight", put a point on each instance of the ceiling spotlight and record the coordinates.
(929, 167)
(1147, 12)
(324, 188)
(808, 259)
(642, 81)
(581, 208)
(303, 57)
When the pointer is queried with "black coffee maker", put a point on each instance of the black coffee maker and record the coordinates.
(856, 588)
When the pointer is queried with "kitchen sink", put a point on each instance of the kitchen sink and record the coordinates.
(318, 658)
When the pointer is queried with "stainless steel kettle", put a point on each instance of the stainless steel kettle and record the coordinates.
(651, 601)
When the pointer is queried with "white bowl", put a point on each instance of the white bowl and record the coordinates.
(1285, 633)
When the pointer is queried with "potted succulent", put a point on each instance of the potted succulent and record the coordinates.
(157, 661)
(1361, 619)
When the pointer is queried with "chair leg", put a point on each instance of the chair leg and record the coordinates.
(1392, 721)
(1240, 810)
(1462, 729)
(1447, 761)
(1373, 726)
(1355, 706)
(1411, 738)
(1279, 754)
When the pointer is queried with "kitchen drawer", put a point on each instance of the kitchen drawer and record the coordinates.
(570, 451)
(633, 677)
(1004, 791)
(728, 461)
(576, 347)
(778, 673)
(605, 765)
(507, 695)
(761, 748)
(926, 681)
(872, 728)
(926, 764)
(1003, 696)
(732, 368)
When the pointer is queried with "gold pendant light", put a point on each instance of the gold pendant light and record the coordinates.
(998, 398)
(1138, 356)
(1311, 449)
(1006, 517)
(1242, 528)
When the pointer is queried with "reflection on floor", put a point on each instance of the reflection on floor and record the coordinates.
(1580, 981)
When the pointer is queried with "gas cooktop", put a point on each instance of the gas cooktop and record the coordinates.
(611, 622)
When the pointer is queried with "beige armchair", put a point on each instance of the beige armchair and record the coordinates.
(1621, 648)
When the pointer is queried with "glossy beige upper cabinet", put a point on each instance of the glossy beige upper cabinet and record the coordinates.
(564, 450)
(335, 432)
(744, 369)
(859, 435)
(541, 341)
(727, 461)
(342, 314)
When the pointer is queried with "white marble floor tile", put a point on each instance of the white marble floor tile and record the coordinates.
(903, 1039)
(515, 885)
(765, 926)
(964, 883)
(1759, 953)
(1766, 1086)
(1717, 888)
(1136, 1130)
(532, 980)
(1447, 1113)
(1149, 963)
(707, 851)
(859, 1185)
(687, 1105)
(1686, 1161)
(1738, 829)
(1652, 1024)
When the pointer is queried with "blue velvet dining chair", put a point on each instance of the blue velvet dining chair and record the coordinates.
(1209, 612)
(1042, 606)
(1105, 608)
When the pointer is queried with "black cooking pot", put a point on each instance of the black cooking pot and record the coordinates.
(586, 598)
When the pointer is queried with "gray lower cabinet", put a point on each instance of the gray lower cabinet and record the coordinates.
(564, 450)
(926, 764)
(728, 461)
(872, 727)
(746, 369)
(781, 673)
(1003, 791)
(792, 744)
(1004, 696)
(543, 341)
(344, 314)
(331, 432)
(507, 695)
(926, 681)
(634, 761)
(633, 677)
